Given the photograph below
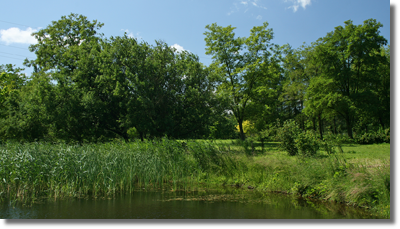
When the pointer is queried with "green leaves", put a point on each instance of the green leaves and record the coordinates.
(58, 44)
(239, 65)
(347, 62)
(89, 88)
(104, 87)
(11, 81)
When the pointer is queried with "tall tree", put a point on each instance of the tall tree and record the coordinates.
(239, 63)
(63, 52)
(349, 59)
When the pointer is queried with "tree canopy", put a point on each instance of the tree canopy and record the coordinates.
(241, 65)
(88, 88)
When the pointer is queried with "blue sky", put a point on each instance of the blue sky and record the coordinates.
(182, 22)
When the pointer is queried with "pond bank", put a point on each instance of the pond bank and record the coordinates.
(29, 172)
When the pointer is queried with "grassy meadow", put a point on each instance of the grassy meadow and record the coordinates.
(358, 176)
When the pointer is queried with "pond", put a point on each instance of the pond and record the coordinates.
(221, 204)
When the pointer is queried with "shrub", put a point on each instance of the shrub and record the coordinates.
(308, 143)
(331, 141)
(379, 136)
(287, 134)
(294, 141)
(342, 139)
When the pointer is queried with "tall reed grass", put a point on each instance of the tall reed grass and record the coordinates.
(36, 170)
(31, 171)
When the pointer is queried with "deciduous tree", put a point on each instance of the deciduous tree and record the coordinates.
(239, 64)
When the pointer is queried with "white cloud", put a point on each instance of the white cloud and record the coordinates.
(259, 17)
(178, 48)
(304, 3)
(298, 3)
(15, 35)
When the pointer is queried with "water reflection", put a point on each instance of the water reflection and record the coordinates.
(222, 204)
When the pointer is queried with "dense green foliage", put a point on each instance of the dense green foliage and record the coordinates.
(287, 134)
(296, 142)
(242, 67)
(88, 88)
(380, 136)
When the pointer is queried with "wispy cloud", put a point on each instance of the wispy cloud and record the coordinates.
(234, 9)
(15, 35)
(253, 3)
(297, 3)
(259, 17)
(245, 5)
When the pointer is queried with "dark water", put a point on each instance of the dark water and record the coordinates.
(224, 204)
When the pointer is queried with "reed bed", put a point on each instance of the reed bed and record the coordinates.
(32, 171)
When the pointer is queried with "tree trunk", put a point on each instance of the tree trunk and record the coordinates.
(242, 137)
(349, 127)
(141, 136)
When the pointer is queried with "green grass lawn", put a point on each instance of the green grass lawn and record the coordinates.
(368, 155)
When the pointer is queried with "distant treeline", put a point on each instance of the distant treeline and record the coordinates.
(87, 88)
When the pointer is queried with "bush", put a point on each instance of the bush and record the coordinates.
(308, 143)
(294, 141)
(331, 141)
(380, 136)
(287, 134)
(342, 139)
